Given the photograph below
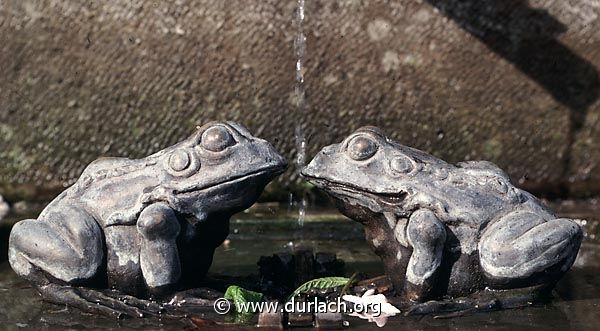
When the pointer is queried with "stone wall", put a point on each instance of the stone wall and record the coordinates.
(514, 82)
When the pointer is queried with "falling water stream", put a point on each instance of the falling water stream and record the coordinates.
(299, 91)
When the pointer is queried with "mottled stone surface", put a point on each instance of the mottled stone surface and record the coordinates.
(513, 82)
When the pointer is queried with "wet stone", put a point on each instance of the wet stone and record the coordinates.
(268, 319)
(300, 320)
(329, 320)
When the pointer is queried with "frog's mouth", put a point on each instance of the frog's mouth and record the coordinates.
(267, 173)
(357, 193)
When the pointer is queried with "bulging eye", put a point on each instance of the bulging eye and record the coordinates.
(361, 148)
(179, 160)
(217, 138)
(401, 164)
(182, 163)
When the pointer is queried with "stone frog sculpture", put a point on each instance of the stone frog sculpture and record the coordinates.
(443, 229)
(144, 227)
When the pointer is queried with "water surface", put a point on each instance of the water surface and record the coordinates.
(576, 303)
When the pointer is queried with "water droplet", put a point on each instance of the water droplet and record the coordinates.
(302, 212)
(440, 134)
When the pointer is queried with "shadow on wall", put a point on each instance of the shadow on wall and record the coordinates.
(527, 37)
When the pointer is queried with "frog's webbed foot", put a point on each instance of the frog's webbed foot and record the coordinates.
(484, 300)
(200, 297)
(452, 308)
(108, 303)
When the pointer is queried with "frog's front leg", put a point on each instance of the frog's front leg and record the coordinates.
(158, 226)
(427, 235)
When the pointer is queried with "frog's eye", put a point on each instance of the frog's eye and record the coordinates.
(217, 138)
(182, 162)
(401, 164)
(361, 148)
(179, 160)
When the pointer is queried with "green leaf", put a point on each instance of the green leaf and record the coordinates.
(320, 283)
(241, 296)
(350, 282)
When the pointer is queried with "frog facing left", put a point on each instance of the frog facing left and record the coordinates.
(445, 230)
(144, 227)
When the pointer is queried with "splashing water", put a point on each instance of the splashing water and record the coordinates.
(299, 91)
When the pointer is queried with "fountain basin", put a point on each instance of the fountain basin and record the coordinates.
(265, 230)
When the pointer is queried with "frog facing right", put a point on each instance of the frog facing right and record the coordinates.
(135, 229)
(444, 230)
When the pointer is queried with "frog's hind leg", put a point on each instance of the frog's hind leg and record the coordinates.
(61, 247)
(61, 251)
(523, 249)
(522, 255)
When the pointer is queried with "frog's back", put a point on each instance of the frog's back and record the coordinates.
(478, 192)
(498, 194)
(495, 181)
(108, 167)
(112, 185)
